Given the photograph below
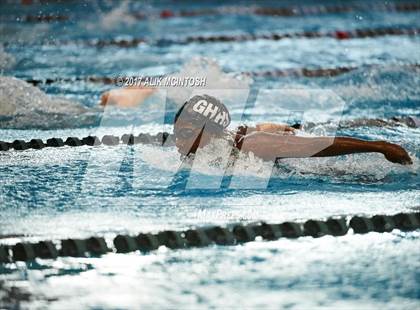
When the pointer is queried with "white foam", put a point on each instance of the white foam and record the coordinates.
(359, 167)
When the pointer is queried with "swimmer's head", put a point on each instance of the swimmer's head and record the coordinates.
(197, 121)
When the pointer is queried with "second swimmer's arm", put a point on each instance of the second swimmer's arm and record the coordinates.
(131, 96)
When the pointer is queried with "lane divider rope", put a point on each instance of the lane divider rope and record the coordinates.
(205, 236)
(289, 11)
(292, 72)
(161, 139)
(337, 34)
(167, 139)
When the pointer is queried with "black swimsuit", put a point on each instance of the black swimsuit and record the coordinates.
(238, 136)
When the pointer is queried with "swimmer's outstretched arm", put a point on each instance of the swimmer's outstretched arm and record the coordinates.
(271, 146)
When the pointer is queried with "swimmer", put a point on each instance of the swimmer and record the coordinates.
(203, 118)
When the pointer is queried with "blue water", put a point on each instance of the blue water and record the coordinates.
(79, 192)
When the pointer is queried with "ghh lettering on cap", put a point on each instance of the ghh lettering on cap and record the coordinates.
(212, 112)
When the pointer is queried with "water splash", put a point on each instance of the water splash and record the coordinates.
(380, 91)
(25, 106)
(120, 15)
(208, 161)
(7, 60)
(216, 79)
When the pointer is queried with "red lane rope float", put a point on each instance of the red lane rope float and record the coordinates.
(315, 10)
(294, 72)
(46, 18)
(289, 11)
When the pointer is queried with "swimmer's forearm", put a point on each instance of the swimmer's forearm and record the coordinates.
(342, 146)
(345, 145)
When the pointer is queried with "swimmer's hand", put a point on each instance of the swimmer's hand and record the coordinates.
(396, 154)
(276, 128)
(126, 97)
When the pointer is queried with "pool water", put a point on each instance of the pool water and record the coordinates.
(58, 193)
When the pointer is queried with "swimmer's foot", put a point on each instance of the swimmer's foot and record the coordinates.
(126, 97)
(396, 154)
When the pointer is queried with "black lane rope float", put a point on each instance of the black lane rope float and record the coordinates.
(336, 34)
(160, 139)
(292, 72)
(204, 236)
(289, 11)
